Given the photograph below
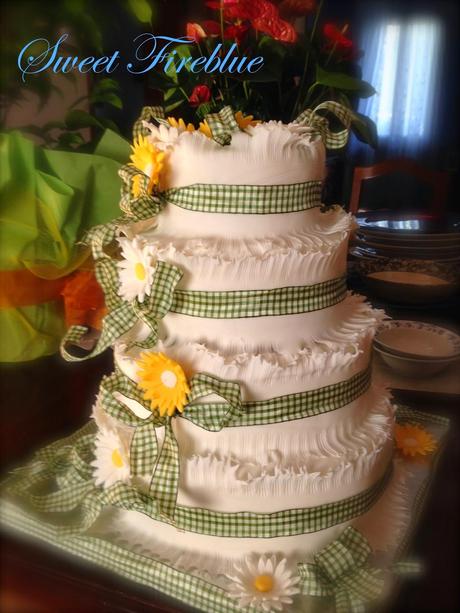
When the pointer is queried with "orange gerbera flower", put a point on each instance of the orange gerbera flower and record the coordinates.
(414, 441)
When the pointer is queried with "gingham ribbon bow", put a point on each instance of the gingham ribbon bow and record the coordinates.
(122, 314)
(222, 125)
(341, 571)
(147, 457)
(332, 140)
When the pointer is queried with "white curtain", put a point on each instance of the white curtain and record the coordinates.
(402, 60)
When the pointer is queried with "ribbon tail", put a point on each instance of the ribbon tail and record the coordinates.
(345, 602)
(165, 481)
(144, 449)
(114, 325)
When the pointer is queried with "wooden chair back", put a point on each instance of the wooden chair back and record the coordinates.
(437, 180)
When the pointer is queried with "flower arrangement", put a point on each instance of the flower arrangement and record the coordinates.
(300, 70)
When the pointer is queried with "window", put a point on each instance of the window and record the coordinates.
(402, 61)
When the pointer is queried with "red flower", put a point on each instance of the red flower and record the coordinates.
(264, 17)
(212, 28)
(215, 5)
(199, 95)
(296, 8)
(336, 36)
(195, 31)
(236, 32)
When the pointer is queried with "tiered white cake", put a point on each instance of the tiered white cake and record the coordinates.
(317, 459)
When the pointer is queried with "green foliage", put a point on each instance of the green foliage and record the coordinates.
(27, 20)
(295, 75)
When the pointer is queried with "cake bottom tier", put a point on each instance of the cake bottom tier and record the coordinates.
(200, 569)
(218, 555)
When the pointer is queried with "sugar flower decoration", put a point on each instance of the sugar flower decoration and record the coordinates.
(263, 583)
(136, 270)
(163, 137)
(164, 383)
(244, 121)
(112, 459)
(414, 441)
(147, 158)
(180, 125)
(205, 128)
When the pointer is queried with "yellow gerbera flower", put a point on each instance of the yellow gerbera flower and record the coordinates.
(244, 121)
(136, 185)
(205, 128)
(164, 383)
(181, 125)
(147, 158)
(413, 440)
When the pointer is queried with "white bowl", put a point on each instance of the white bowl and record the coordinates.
(417, 340)
(411, 367)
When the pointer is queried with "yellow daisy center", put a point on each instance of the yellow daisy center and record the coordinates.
(117, 460)
(410, 442)
(263, 583)
(139, 271)
(168, 378)
(164, 383)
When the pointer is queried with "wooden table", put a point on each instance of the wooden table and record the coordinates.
(49, 398)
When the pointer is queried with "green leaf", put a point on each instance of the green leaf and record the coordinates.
(107, 98)
(68, 139)
(141, 9)
(172, 106)
(365, 130)
(106, 85)
(340, 80)
(77, 119)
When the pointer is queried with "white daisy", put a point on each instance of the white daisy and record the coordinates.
(163, 137)
(136, 269)
(263, 583)
(112, 459)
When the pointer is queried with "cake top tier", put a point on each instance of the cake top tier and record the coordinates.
(230, 164)
(269, 153)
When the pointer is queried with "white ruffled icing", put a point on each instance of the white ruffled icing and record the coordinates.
(270, 153)
(216, 556)
(302, 257)
(340, 323)
(337, 355)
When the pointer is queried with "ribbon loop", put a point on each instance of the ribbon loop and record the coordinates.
(341, 570)
(213, 416)
(222, 125)
(138, 202)
(332, 140)
(124, 315)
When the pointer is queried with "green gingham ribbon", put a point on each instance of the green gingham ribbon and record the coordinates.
(341, 571)
(222, 125)
(260, 303)
(332, 140)
(86, 501)
(124, 315)
(146, 457)
(210, 198)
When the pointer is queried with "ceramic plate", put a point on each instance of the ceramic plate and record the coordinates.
(418, 340)
(410, 225)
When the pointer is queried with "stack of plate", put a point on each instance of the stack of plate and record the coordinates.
(415, 348)
(408, 258)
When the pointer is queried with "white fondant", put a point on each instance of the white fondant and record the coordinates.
(271, 153)
(302, 257)
(216, 555)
